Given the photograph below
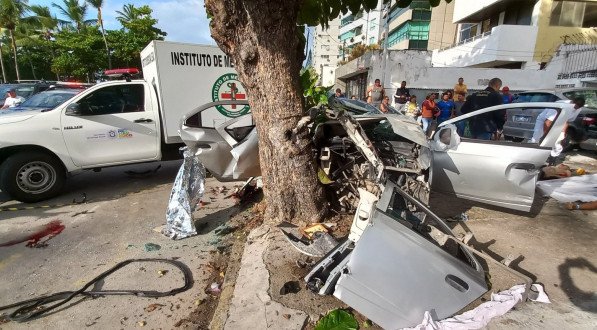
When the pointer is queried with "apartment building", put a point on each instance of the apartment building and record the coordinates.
(360, 28)
(516, 34)
(420, 27)
(325, 52)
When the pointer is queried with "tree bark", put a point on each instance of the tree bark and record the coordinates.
(14, 49)
(263, 39)
(101, 23)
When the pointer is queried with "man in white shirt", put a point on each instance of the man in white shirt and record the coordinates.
(579, 102)
(543, 123)
(12, 99)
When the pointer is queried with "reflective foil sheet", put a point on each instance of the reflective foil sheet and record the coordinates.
(188, 188)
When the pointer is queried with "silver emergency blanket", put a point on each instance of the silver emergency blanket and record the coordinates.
(188, 188)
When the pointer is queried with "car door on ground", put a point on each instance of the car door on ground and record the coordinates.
(497, 172)
(111, 125)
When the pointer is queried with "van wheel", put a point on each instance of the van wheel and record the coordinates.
(32, 176)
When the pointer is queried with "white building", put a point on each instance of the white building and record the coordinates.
(360, 28)
(521, 34)
(326, 48)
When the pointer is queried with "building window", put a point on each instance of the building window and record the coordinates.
(412, 30)
(325, 57)
(418, 44)
(371, 40)
(573, 13)
(373, 24)
(325, 47)
(421, 15)
(346, 20)
(467, 31)
(358, 30)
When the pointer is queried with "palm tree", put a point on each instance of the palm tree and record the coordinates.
(2, 33)
(97, 4)
(127, 14)
(11, 12)
(40, 26)
(75, 13)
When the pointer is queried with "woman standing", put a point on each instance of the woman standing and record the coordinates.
(428, 108)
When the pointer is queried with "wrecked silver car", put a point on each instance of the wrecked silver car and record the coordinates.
(399, 259)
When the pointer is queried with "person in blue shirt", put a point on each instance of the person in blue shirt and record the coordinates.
(446, 107)
(507, 98)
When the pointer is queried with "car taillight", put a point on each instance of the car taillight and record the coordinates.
(588, 121)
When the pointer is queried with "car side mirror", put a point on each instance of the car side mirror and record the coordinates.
(73, 109)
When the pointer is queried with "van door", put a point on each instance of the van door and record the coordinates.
(111, 125)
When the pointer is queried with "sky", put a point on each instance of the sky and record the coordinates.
(183, 20)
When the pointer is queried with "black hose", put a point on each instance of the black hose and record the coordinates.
(34, 308)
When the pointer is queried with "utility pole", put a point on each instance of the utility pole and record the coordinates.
(386, 15)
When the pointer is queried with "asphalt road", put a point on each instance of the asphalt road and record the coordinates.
(118, 219)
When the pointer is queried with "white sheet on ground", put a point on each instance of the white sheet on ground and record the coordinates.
(479, 317)
(577, 188)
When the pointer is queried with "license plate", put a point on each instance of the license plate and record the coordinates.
(522, 119)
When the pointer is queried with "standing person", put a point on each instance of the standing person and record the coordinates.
(338, 94)
(460, 87)
(458, 112)
(384, 107)
(446, 108)
(579, 102)
(12, 99)
(376, 92)
(412, 108)
(483, 126)
(402, 94)
(428, 109)
(507, 98)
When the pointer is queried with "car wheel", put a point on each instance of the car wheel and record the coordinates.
(32, 176)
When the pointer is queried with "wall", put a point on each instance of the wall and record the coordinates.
(415, 68)
(442, 32)
(550, 37)
(465, 8)
(498, 46)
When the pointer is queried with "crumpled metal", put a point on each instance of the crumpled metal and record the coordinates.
(187, 190)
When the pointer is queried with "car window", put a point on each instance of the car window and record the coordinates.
(521, 125)
(24, 91)
(47, 100)
(215, 116)
(536, 97)
(589, 95)
(114, 99)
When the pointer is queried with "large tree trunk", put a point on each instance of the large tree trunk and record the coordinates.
(262, 38)
(14, 49)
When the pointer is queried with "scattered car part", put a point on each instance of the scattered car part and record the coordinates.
(317, 246)
(33, 308)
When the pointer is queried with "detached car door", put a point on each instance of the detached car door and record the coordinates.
(111, 125)
(497, 172)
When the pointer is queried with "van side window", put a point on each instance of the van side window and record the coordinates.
(114, 99)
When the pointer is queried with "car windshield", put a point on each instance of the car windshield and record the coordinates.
(357, 107)
(47, 100)
(590, 96)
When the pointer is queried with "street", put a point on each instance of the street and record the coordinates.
(552, 245)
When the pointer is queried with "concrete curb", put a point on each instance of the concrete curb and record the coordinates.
(251, 306)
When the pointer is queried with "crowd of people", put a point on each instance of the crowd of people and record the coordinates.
(456, 102)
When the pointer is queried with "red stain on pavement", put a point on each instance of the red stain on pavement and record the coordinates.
(50, 230)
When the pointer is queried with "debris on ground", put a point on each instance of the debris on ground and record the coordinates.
(224, 229)
(153, 307)
(162, 272)
(337, 319)
(318, 245)
(187, 190)
(461, 217)
(49, 230)
(150, 247)
(141, 323)
(310, 230)
(214, 289)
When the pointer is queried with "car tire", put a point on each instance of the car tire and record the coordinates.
(31, 177)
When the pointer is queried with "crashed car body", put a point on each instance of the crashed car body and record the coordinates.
(502, 173)
(398, 260)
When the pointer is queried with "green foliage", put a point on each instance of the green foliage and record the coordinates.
(338, 319)
(79, 53)
(314, 95)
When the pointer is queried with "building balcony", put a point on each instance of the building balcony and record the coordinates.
(504, 44)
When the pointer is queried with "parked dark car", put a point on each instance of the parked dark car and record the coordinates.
(520, 122)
